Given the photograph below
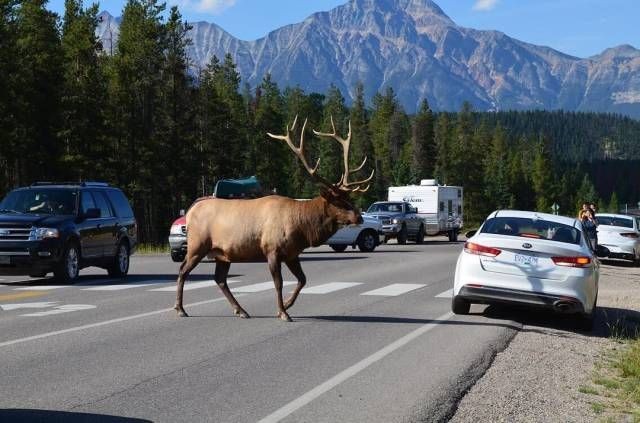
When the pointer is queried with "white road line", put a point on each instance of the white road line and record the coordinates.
(446, 294)
(68, 308)
(104, 323)
(394, 289)
(115, 287)
(41, 287)
(329, 287)
(189, 286)
(319, 390)
(259, 287)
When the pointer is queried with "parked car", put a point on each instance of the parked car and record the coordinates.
(178, 239)
(367, 236)
(64, 227)
(532, 259)
(399, 220)
(620, 234)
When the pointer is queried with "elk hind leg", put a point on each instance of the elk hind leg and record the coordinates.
(222, 270)
(296, 269)
(275, 267)
(190, 262)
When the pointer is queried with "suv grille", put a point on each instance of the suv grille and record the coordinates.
(184, 229)
(15, 233)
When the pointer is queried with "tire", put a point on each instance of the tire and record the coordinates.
(420, 235)
(68, 269)
(338, 248)
(402, 235)
(177, 256)
(120, 266)
(367, 241)
(460, 305)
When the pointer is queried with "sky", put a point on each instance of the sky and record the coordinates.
(580, 28)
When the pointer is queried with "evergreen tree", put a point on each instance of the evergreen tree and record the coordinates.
(496, 175)
(384, 108)
(330, 152)
(614, 204)
(443, 144)
(423, 157)
(586, 193)
(8, 94)
(542, 178)
(361, 145)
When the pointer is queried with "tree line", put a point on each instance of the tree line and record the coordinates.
(141, 118)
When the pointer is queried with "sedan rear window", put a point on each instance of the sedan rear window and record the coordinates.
(615, 221)
(532, 228)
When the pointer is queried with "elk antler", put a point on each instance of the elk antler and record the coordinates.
(299, 151)
(344, 183)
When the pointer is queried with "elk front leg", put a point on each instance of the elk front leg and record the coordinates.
(222, 270)
(296, 269)
(275, 268)
(190, 261)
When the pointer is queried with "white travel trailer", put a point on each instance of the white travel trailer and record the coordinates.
(439, 205)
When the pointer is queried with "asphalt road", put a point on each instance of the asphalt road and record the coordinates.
(373, 340)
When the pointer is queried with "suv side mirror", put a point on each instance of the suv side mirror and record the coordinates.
(91, 214)
(182, 213)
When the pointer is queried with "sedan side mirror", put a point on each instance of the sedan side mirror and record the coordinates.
(602, 251)
(91, 214)
(471, 233)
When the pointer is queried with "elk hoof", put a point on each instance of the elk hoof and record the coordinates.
(242, 314)
(284, 316)
(181, 312)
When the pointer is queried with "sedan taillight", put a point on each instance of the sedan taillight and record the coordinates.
(629, 235)
(481, 250)
(572, 261)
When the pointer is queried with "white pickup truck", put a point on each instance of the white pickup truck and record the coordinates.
(366, 236)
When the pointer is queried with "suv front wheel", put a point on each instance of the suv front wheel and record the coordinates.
(120, 266)
(67, 270)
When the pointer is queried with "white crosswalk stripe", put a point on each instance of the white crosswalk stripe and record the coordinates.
(259, 287)
(446, 294)
(394, 290)
(41, 287)
(120, 287)
(329, 287)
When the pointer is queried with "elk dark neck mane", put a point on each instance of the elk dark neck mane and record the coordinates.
(315, 221)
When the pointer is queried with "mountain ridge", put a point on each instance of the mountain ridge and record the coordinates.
(414, 47)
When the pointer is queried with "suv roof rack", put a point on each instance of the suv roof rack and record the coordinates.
(82, 184)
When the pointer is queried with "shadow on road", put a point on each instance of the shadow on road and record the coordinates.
(407, 320)
(91, 280)
(48, 416)
(617, 263)
(333, 258)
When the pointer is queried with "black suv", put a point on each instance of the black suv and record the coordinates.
(64, 227)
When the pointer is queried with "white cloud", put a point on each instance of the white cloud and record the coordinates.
(485, 5)
(207, 6)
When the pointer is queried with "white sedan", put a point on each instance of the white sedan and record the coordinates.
(621, 235)
(529, 258)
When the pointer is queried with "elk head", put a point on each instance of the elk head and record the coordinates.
(337, 195)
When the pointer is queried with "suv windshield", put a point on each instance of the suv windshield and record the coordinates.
(41, 201)
(385, 207)
(532, 228)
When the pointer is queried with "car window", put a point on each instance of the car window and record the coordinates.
(86, 202)
(615, 221)
(120, 203)
(102, 204)
(532, 228)
(41, 201)
(385, 207)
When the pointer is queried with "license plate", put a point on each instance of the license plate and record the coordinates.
(5, 260)
(526, 260)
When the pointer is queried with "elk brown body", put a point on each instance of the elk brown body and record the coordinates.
(274, 228)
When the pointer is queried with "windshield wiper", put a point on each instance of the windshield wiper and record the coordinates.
(9, 211)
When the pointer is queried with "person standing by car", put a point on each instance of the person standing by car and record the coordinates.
(589, 225)
(592, 207)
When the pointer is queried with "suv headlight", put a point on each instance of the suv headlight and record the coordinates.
(39, 234)
(395, 221)
(176, 230)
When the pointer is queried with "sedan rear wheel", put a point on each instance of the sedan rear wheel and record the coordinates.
(367, 241)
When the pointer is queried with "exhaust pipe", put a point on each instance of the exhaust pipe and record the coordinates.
(565, 306)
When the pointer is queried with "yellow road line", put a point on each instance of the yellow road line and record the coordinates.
(21, 295)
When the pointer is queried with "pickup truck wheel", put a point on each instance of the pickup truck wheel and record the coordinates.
(367, 241)
(67, 270)
(338, 248)
(120, 265)
(420, 236)
(402, 235)
(460, 305)
(177, 256)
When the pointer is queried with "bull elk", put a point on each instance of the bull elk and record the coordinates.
(274, 228)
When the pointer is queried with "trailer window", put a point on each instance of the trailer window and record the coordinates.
(459, 193)
(459, 209)
(450, 206)
(441, 206)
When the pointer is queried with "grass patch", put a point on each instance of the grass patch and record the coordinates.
(598, 408)
(151, 249)
(588, 390)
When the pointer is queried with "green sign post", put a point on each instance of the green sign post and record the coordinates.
(555, 208)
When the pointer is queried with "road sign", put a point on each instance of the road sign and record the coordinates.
(555, 208)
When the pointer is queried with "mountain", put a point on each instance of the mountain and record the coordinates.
(414, 47)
